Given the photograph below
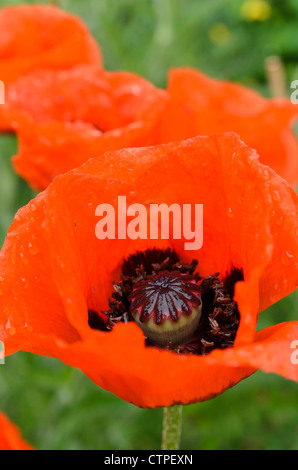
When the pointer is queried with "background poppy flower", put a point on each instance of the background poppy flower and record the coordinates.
(63, 118)
(200, 105)
(10, 436)
(43, 37)
(54, 270)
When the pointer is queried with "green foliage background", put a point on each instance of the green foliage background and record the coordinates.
(57, 407)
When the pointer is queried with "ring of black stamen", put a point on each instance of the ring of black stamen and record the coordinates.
(220, 316)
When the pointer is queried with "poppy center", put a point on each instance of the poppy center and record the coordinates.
(167, 306)
(172, 304)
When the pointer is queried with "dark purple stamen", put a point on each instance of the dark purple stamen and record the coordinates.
(165, 295)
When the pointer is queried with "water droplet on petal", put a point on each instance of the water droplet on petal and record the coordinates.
(24, 259)
(276, 196)
(230, 213)
(2, 279)
(29, 328)
(266, 174)
(287, 258)
(10, 329)
(25, 282)
(250, 159)
(33, 249)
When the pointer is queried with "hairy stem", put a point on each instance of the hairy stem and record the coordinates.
(171, 428)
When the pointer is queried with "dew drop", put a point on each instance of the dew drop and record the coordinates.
(287, 258)
(2, 279)
(29, 328)
(33, 249)
(25, 282)
(266, 174)
(230, 213)
(10, 329)
(24, 259)
(32, 207)
(276, 196)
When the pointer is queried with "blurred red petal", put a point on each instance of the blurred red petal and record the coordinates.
(200, 105)
(10, 436)
(43, 37)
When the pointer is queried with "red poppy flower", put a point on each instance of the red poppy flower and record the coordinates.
(200, 105)
(57, 276)
(42, 37)
(64, 118)
(10, 437)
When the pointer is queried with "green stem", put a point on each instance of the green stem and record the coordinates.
(171, 427)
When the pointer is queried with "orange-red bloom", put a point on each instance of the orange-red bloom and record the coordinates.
(42, 37)
(64, 118)
(10, 436)
(54, 271)
(200, 105)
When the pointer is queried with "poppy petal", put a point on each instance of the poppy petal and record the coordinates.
(87, 112)
(10, 436)
(70, 272)
(183, 380)
(43, 37)
(273, 350)
(200, 105)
